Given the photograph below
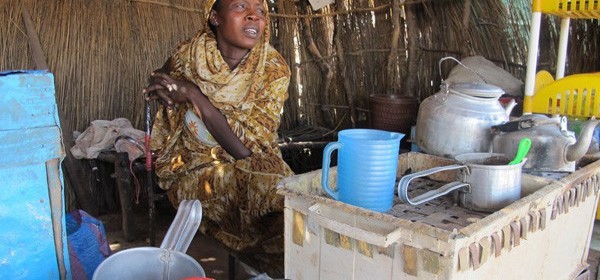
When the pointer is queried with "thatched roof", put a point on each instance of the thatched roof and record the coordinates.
(102, 51)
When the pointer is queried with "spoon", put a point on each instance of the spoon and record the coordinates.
(522, 151)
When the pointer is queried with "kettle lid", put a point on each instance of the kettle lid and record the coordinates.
(477, 90)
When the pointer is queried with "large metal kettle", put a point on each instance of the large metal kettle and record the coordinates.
(553, 147)
(457, 120)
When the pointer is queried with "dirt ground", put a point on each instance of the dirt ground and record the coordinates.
(208, 252)
(211, 255)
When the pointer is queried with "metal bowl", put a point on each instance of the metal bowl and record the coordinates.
(148, 263)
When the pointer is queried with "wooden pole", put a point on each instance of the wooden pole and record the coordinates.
(393, 55)
(410, 82)
(350, 93)
(325, 70)
(465, 25)
(34, 43)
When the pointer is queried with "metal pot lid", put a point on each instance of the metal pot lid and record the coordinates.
(477, 90)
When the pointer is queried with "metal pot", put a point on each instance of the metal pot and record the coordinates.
(457, 120)
(149, 263)
(485, 182)
(164, 263)
(553, 147)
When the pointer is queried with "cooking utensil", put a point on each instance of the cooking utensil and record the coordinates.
(522, 151)
(164, 263)
(464, 112)
(485, 182)
(184, 227)
(553, 147)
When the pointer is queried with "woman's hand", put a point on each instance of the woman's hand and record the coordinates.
(169, 91)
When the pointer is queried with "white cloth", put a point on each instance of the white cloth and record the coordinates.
(101, 136)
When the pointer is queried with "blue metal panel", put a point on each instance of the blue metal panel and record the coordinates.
(28, 99)
(26, 234)
(29, 145)
(33, 241)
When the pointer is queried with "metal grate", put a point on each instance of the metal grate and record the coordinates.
(442, 212)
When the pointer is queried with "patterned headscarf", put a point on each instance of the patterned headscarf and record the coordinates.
(199, 60)
(251, 96)
(210, 3)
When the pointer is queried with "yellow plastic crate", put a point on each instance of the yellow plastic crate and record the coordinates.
(566, 10)
(576, 9)
(575, 95)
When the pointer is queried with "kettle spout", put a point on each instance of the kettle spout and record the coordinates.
(577, 150)
(509, 107)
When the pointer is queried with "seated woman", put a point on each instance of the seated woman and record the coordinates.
(222, 93)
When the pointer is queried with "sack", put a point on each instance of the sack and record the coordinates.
(87, 243)
(479, 69)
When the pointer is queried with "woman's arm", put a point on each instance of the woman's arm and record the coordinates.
(172, 91)
(217, 125)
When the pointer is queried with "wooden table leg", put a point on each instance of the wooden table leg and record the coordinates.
(123, 179)
(232, 266)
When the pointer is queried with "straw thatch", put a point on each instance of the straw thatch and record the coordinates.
(101, 51)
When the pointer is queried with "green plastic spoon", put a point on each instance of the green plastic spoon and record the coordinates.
(522, 151)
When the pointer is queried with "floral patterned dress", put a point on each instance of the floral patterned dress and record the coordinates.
(240, 205)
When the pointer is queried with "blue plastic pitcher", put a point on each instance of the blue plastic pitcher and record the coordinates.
(366, 172)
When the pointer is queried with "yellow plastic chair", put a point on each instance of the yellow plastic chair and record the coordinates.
(576, 95)
(568, 96)
(542, 79)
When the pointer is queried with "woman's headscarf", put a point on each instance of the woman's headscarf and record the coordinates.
(210, 3)
(200, 61)
(251, 96)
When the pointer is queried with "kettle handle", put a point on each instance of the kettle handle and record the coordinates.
(479, 75)
(327, 151)
(405, 181)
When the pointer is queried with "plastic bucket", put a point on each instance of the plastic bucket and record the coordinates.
(367, 163)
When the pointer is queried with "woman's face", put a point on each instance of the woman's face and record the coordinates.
(239, 24)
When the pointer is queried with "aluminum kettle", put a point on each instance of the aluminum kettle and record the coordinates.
(457, 120)
(553, 147)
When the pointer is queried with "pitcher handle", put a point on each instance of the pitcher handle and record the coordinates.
(327, 151)
(405, 181)
(184, 226)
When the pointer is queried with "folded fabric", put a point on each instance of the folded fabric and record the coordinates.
(102, 135)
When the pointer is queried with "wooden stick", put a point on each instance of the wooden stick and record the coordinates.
(465, 26)
(325, 70)
(34, 43)
(410, 82)
(350, 94)
(392, 56)
(178, 7)
(361, 10)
